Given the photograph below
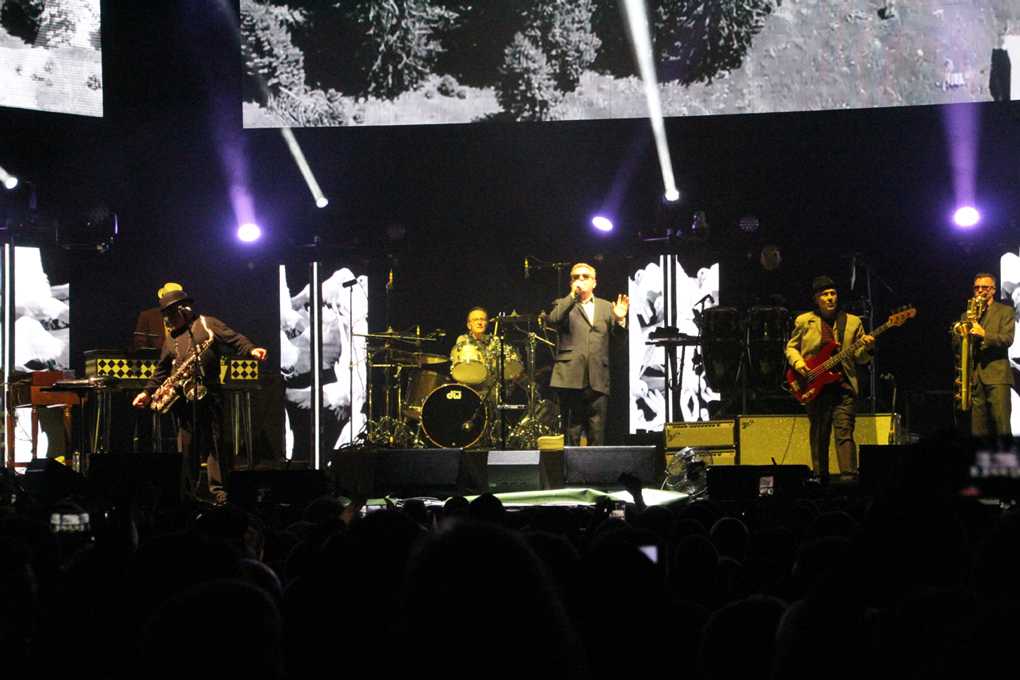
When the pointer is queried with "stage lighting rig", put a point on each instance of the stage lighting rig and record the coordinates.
(95, 230)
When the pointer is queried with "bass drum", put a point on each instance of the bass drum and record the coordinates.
(453, 417)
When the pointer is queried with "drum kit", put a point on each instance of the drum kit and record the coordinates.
(483, 395)
(732, 340)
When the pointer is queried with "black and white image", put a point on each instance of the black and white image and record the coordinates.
(412, 62)
(1009, 277)
(648, 364)
(343, 310)
(42, 332)
(51, 56)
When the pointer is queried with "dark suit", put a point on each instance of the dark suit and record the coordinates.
(581, 372)
(991, 377)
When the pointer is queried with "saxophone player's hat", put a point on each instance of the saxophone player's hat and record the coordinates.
(173, 298)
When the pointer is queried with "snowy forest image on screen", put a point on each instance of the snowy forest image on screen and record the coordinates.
(410, 62)
(51, 56)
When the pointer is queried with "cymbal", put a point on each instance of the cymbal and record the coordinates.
(426, 359)
(417, 359)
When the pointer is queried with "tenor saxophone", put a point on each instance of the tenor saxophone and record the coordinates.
(975, 308)
(181, 381)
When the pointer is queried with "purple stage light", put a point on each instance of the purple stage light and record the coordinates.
(602, 223)
(249, 232)
(966, 216)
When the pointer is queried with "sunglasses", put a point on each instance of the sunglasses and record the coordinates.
(575, 277)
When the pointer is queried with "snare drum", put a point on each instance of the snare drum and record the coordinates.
(453, 416)
(469, 363)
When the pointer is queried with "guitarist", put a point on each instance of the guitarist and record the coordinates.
(834, 408)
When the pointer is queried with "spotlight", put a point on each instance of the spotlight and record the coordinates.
(321, 202)
(9, 181)
(602, 223)
(249, 232)
(966, 216)
(673, 195)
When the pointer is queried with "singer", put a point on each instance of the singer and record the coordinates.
(199, 430)
(581, 374)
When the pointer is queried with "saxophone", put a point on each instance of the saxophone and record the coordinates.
(180, 382)
(975, 308)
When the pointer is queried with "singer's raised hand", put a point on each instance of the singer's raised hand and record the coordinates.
(621, 307)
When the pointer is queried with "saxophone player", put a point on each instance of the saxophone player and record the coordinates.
(199, 430)
(991, 377)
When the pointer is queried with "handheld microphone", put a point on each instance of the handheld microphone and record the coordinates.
(527, 269)
(350, 283)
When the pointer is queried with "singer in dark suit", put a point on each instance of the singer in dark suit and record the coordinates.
(581, 373)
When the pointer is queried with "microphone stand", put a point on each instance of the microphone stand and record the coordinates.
(198, 381)
(858, 260)
(349, 285)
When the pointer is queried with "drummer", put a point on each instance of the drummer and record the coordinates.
(474, 356)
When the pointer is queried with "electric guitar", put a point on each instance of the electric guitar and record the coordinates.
(823, 366)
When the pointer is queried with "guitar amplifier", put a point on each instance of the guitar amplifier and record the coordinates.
(784, 438)
(712, 433)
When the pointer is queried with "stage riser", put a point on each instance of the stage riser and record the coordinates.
(446, 472)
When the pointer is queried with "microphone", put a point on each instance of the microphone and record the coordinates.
(527, 269)
(350, 283)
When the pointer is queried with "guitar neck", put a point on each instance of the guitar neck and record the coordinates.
(840, 356)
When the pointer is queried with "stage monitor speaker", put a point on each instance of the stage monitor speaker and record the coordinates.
(150, 478)
(51, 482)
(601, 466)
(514, 471)
(418, 472)
(292, 488)
(783, 439)
(715, 433)
(748, 482)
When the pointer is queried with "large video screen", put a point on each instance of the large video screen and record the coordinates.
(692, 293)
(1009, 283)
(344, 316)
(51, 56)
(42, 333)
(461, 61)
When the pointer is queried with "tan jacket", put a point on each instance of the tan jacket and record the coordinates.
(806, 340)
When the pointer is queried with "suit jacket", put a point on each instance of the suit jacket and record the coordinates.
(806, 340)
(583, 345)
(991, 360)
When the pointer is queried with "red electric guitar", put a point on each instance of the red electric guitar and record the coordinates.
(823, 367)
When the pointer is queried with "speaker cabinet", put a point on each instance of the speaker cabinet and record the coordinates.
(783, 439)
(152, 478)
(714, 433)
(294, 488)
(514, 471)
(747, 482)
(601, 466)
(51, 482)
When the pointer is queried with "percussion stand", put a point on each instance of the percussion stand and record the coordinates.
(500, 367)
